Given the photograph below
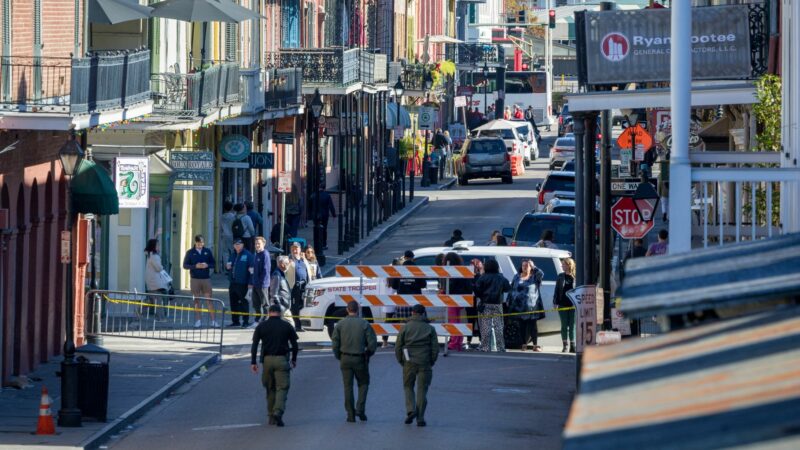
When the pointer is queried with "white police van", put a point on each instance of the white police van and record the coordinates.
(322, 309)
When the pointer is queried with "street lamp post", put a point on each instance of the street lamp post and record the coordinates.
(69, 415)
(398, 94)
(316, 110)
(426, 165)
(486, 88)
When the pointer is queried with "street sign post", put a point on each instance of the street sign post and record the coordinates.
(425, 120)
(626, 221)
(284, 186)
(585, 300)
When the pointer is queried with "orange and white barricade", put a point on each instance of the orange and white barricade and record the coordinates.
(428, 301)
(390, 271)
(446, 330)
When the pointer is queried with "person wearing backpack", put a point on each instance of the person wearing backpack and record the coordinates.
(242, 227)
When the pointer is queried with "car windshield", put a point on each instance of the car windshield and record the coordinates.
(545, 263)
(564, 210)
(559, 183)
(486, 147)
(565, 142)
(522, 131)
(505, 133)
(532, 227)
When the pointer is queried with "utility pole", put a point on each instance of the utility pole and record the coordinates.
(606, 241)
(680, 220)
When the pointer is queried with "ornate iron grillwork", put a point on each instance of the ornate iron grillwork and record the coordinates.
(759, 38)
(475, 54)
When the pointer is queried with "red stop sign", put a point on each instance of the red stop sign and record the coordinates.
(626, 221)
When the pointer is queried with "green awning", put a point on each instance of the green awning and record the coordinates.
(93, 191)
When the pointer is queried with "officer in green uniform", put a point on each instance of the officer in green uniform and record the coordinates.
(278, 338)
(354, 342)
(416, 350)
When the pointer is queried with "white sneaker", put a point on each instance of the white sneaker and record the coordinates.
(385, 345)
(197, 324)
(214, 324)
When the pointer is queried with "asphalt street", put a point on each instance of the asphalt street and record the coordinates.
(475, 402)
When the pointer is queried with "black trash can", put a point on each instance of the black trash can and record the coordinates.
(93, 379)
(433, 173)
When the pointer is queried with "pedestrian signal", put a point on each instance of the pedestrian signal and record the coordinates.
(552, 16)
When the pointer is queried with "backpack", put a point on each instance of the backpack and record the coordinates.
(237, 228)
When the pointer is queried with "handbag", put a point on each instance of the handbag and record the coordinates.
(165, 278)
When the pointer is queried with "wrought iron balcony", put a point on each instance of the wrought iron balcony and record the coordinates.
(188, 95)
(100, 82)
(284, 88)
(336, 67)
(475, 54)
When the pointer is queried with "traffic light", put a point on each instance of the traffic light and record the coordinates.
(552, 16)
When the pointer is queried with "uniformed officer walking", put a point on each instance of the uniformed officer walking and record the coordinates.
(276, 337)
(354, 341)
(416, 350)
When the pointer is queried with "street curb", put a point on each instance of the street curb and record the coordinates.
(95, 440)
(356, 254)
(448, 185)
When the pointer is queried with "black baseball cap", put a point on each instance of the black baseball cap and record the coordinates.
(274, 308)
(408, 254)
(238, 241)
(418, 309)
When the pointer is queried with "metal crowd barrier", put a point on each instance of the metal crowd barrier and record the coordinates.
(155, 316)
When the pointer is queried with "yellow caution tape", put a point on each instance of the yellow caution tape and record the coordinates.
(395, 319)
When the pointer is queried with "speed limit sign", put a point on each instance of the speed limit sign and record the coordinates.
(585, 300)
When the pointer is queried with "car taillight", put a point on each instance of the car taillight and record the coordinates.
(466, 159)
(508, 157)
(541, 196)
(513, 243)
(561, 120)
(556, 150)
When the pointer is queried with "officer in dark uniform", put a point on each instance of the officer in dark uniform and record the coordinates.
(354, 341)
(276, 336)
(416, 350)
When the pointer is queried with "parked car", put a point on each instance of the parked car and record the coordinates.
(569, 166)
(515, 136)
(556, 185)
(560, 206)
(526, 131)
(483, 158)
(509, 259)
(532, 225)
(562, 151)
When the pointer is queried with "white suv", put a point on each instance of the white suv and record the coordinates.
(321, 308)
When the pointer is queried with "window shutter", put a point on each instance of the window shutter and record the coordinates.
(232, 41)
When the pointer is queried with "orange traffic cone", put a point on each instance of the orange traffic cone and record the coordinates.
(46, 425)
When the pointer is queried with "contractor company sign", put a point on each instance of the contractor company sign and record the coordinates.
(634, 45)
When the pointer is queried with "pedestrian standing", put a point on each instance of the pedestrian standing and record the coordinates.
(298, 276)
(448, 154)
(455, 286)
(226, 231)
(407, 286)
(663, 185)
(280, 292)
(526, 302)
(242, 226)
(199, 261)
(314, 271)
(490, 289)
(493, 238)
(277, 339)
(546, 240)
(293, 212)
(239, 272)
(260, 270)
(155, 281)
(456, 237)
(416, 350)
(660, 247)
(530, 116)
(354, 342)
(325, 212)
(566, 310)
(255, 217)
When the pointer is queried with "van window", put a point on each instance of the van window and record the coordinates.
(425, 260)
(544, 263)
(505, 133)
(530, 229)
(486, 147)
(559, 183)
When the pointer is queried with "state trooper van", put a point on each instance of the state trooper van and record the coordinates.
(322, 309)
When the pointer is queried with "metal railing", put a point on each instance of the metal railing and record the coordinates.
(101, 81)
(380, 72)
(326, 66)
(284, 88)
(155, 316)
(475, 54)
(253, 81)
(414, 77)
(736, 195)
(194, 94)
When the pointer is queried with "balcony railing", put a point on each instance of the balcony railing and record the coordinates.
(475, 54)
(189, 95)
(100, 82)
(736, 196)
(336, 67)
(284, 88)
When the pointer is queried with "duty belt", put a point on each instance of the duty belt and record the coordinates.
(352, 354)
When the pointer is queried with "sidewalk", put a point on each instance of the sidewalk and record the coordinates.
(142, 373)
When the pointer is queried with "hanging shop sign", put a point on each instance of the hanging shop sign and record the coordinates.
(261, 160)
(626, 46)
(282, 138)
(192, 166)
(132, 181)
(235, 147)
